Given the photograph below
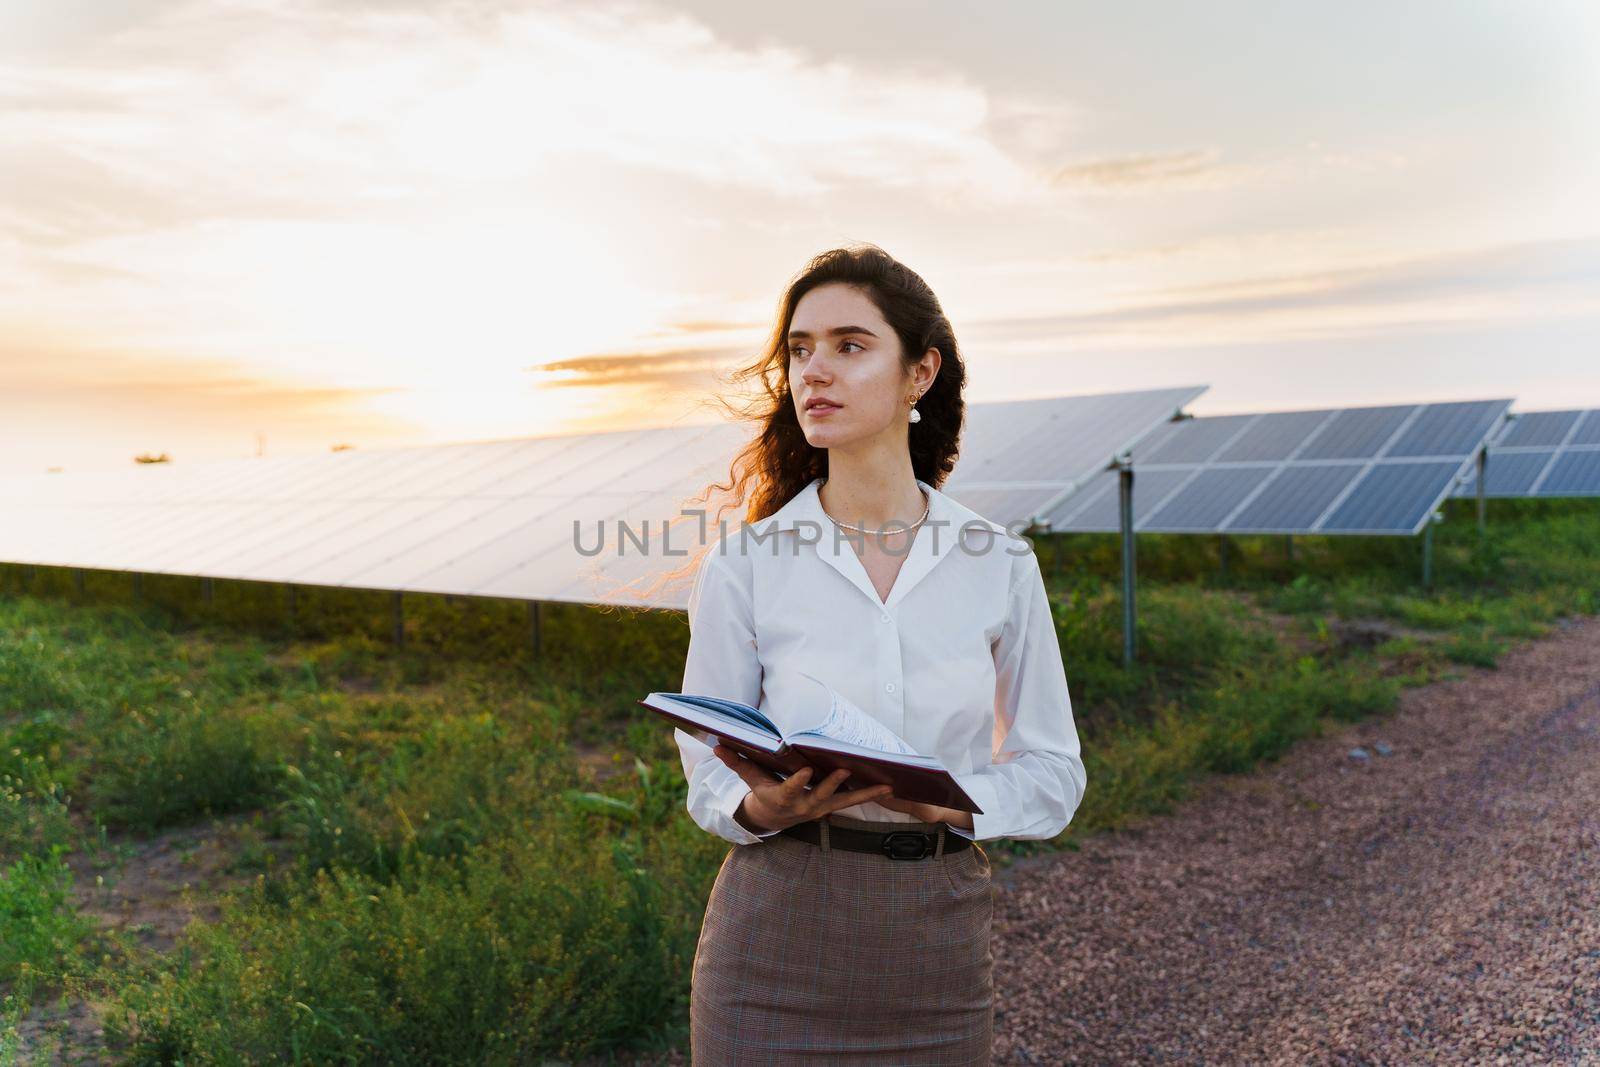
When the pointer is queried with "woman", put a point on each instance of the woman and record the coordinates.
(853, 926)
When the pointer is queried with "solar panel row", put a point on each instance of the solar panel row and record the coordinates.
(520, 519)
(1019, 458)
(1543, 454)
(1377, 470)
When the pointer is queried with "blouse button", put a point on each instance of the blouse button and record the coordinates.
(886, 616)
(889, 688)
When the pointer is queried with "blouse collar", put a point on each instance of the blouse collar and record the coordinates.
(933, 540)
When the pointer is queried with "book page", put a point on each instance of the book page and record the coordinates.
(710, 719)
(742, 712)
(846, 722)
(809, 740)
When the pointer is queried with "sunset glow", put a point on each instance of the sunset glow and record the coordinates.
(382, 224)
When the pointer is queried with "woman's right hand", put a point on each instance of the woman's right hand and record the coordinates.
(776, 803)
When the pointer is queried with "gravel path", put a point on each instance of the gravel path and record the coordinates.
(1438, 904)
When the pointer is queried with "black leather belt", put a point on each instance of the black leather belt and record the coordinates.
(896, 844)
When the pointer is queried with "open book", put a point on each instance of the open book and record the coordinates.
(841, 735)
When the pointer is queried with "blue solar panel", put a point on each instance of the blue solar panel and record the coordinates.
(1160, 434)
(1357, 433)
(1541, 455)
(1103, 508)
(1511, 473)
(1295, 499)
(1448, 429)
(1080, 511)
(1574, 474)
(1274, 436)
(1193, 441)
(1393, 496)
(1302, 471)
(997, 500)
(1020, 459)
(1206, 501)
(1537, 429)
(1588, 432)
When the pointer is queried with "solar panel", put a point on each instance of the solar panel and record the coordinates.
(1392, 497)
(1446, 430)
(1543, 454)
(1586, 432)
(1272, 439)
(1375, 470)
(1513, 473)
(1296, 501)
(1208, 497)
(1540, 429)
(1574, 473)
(1097, 508)
(1201, 440)
(505, 518)
(1356, 433)
(1023, 457)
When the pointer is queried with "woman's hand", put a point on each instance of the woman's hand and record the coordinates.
(775, 803)
(929, 813)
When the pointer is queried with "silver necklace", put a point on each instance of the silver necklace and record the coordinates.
(880, 533)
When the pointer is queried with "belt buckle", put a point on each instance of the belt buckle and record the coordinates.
(907, 844)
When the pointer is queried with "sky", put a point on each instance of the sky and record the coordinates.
(242, 227)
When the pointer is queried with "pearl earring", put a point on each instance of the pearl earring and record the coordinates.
(916, 416)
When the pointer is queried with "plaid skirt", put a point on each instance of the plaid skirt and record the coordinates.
(816, 955)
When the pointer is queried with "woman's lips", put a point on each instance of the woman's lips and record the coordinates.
(822, 409)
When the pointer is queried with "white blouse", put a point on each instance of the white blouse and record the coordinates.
(962, 660)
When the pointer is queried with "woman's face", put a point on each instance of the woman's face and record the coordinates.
(841, 349)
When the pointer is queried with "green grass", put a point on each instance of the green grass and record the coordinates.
(39, 931)
(41, 937)
(434, 874)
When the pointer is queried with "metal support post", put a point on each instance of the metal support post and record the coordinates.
(398, 600)
(1129, 621)
(536, 627)
(1427, 554)
(1483, 500)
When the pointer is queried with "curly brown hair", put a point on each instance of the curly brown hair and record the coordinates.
(779, 461)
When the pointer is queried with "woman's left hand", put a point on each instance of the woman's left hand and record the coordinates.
(930, 813)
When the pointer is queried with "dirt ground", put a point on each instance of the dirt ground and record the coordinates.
(1418, 888)
(149, 889)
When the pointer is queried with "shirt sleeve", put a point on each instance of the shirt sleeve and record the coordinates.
(1035, 780)
(721, 662)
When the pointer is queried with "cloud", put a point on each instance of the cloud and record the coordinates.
(256, 109)
(1173, 169)
(687, 369)
(1530, 282)
(705, 326)
(1204, 169)
(49, 369)
(1534, 265)
(97, 408)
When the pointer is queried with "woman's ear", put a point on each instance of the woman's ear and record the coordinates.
(931, 360)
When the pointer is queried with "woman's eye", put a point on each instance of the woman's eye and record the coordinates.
(797, 353)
